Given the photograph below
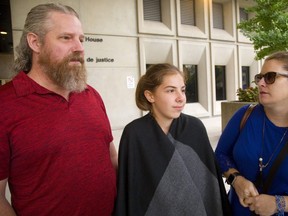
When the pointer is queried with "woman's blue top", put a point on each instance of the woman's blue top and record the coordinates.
(242, 150)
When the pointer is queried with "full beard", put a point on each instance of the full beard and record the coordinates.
(72, 78)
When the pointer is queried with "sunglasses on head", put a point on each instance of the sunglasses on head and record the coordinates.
(269, 77)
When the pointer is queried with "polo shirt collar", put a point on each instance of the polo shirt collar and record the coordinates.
(24, 85)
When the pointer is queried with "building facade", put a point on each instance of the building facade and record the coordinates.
(124, 37)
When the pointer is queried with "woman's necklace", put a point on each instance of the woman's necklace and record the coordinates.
(261, 165)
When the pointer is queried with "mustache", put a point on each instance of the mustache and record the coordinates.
(75, 57)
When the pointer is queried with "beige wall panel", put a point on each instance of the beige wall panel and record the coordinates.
(20, 9)
(167, 24)
(197, 53)
(229, 18)
(112, 84)
(113, 69)
(247, 58)
(247, 55)
(153, 51)
(200, 30)
(116, 17)
(226, 55)
(110, 51)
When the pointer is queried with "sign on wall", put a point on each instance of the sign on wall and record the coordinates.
(110, 51)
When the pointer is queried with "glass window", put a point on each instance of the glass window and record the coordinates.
(187, 8)
(220, 79)
(243, 14)
(152, 10)
(148, 65)
(191, 83)
(218, 16)
(245, 77)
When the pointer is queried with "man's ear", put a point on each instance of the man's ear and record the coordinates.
(33, 42)
(149, 96)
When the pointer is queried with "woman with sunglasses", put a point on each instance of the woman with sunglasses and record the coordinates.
(246, 155)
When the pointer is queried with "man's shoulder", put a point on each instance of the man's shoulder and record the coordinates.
(8, 99)
(7, 90)
(92, 90)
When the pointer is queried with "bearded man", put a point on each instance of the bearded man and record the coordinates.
(56, 146)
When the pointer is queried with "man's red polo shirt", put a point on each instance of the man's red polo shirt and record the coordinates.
(55, 153)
